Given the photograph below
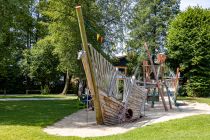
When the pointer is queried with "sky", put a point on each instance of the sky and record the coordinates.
(203, 3)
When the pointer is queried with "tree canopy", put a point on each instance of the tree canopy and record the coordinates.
(116, 14)
(40, 39)
(63, 31)
(16, 25)
(188, 45)
(150, 22)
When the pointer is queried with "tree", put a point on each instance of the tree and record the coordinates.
(150, 23)
(115, 14)
(40, 64)
(64, 32)
(188, 45)
(16, 34)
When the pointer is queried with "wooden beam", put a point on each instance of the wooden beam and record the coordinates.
(162, 65)
(88, 68)
(176, 84)
(161, 73)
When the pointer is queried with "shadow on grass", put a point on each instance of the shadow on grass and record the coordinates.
(181, 104)
(36, 113)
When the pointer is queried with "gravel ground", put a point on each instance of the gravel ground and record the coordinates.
(83, 124)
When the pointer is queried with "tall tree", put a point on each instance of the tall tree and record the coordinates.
(64, 32)
(116, 14)
(16, 34)
(150, 23)
(188, 44)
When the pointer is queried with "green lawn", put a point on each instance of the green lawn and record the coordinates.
(24, 120)
(195, 99)
(35, 96)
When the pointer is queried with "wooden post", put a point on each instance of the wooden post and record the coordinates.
(162, 79)
(156, 78)
(88, 67)
(176, 84)
(144, 75)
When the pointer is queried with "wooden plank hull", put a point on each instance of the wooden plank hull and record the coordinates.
(115, 112)
(136, 101)
(110, 109)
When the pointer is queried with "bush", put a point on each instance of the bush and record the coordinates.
(198, 86)
(45, 90)
(182, 91)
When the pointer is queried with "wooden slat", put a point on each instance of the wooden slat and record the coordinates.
(110, 106)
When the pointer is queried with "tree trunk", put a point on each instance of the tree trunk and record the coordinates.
(67, 82)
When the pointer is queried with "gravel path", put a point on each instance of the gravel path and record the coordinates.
(31, 99)
(82, 123)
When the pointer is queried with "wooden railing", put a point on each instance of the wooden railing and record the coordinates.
(106, 76)
(104, 71)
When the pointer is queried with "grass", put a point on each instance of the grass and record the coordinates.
(24, 120)
(195, 99)
(35, 96)
(190, 128)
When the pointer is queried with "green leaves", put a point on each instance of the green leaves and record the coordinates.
(16, 34)
(64, 32)
(150, 22)
(40, 63)
(188, 45)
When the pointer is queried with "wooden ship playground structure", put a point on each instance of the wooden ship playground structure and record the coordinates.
(102, 78)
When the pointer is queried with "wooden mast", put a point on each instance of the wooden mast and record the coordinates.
(156, 77)
(88, 68)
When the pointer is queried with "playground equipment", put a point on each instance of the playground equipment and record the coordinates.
(159, 81)
(172, 84)
(102, 77)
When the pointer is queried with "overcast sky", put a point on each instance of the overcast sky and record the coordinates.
(202, 3)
